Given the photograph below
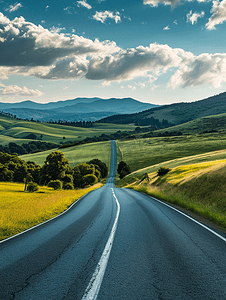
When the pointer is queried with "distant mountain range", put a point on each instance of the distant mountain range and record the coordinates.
(79, 109)
(174, 114)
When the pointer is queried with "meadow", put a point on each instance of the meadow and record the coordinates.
(76, 154)
(142, 153)
(21, 210)
(19, 130)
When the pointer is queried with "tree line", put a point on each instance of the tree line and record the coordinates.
(85, 124)
(56, 172)
(25, 148)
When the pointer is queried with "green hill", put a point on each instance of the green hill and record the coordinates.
(175, 114)
(19, 130)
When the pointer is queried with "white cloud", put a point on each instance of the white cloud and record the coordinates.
(133, 88)
(166, 28)
(14, 7)
(25, 44)
(203, 69)
(103, 15)
(218, 14)
(19, 91)
(84, 4)
(135, 62)
(56, 29)
(70, 10)
(155, 3)
(31, 50)
(193, 17)
(172, 3)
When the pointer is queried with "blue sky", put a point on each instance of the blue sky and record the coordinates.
(157, 51)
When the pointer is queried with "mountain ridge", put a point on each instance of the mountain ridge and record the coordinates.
(78, 109)
(176, 113)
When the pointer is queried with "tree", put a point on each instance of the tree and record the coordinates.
(123, 169)
(121, 165)
(55, 184)
(56, 167)
(102, 165)
(90, 179)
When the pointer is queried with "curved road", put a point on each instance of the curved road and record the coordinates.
(115, 244)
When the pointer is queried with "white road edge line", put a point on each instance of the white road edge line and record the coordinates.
(93, 288)
(212, 231)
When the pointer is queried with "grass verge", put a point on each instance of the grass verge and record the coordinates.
(21, 210)
(199, 188)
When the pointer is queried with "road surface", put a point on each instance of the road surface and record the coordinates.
(115, 244)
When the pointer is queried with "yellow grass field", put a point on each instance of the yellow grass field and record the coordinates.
(197, 187)
(21, 210)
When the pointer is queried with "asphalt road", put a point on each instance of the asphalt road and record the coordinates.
(115, 244)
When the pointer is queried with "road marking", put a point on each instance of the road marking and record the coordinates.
(93, 288)
(212, 231)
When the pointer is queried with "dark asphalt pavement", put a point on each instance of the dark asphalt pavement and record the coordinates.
(157, 252)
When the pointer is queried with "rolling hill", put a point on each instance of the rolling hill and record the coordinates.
(175, 114)
(79, 109)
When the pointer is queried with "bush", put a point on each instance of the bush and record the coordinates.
(123, 169)
(55, 184)
(163, 171)
(90, 179)
(32, 187)
(68, 186)
(121, 165)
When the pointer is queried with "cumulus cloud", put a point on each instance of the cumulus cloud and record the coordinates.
(30, 50)
(84, 4)
(203, 69)
(193, 17)
(218, 14)
(131, 63)
(103, 15)
(14, 7)
(25, 44)
(19, 91)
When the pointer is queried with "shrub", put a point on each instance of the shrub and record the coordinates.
(163, 171)
(68, 186)
(121, 165)
(32, 187)
(90, 179)
(55, 184)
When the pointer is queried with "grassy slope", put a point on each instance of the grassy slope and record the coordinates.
(12, 128)
(198, 187)
(216, 122)
(20, 210)
(178, 113)
(143, 153)
(77, 154)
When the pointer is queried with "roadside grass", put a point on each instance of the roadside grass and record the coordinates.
(76, 154)
(199, 187)
(142, 153)
(22, 210)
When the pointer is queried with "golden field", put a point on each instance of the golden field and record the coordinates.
(198, 187)
(21, 210)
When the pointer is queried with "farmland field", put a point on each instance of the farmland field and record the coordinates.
(18, 129)
(77, 154)
(142, 153)
(21, 210)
